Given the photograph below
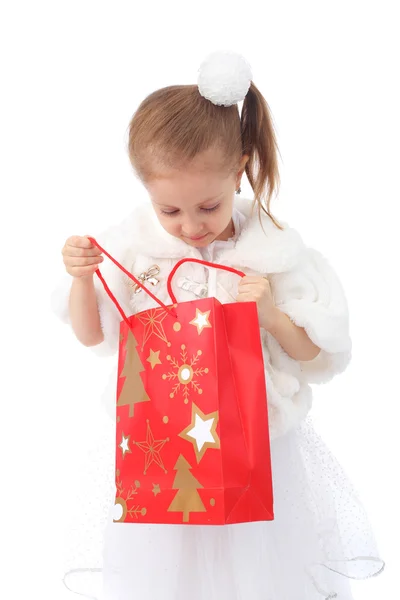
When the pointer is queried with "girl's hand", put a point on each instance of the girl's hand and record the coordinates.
(257, 289)
(81, 257)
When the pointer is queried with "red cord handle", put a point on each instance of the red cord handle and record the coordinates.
(201, 262)
(139, 283)
(143, 287)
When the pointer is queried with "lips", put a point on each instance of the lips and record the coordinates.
(197, 239)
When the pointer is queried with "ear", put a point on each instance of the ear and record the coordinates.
(242, 166)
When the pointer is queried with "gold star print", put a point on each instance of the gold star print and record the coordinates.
(201, 321)
(151, 449)
(124, 445)
(156, 489)
(202, 432)
(154, 358)
(153, 325)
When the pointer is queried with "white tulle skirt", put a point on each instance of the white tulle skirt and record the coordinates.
(320, 539)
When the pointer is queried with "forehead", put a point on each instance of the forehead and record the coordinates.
(188, 187)
(204, 178)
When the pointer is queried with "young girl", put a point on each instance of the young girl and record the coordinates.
(190, 147)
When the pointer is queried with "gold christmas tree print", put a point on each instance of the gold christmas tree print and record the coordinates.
(133, 389)
(187, 499)
(121, 509)
(185, 374)
(153, 325)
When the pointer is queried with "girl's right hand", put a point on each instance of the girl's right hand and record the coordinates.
(81, 257)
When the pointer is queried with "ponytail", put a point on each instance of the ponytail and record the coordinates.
(260, 145)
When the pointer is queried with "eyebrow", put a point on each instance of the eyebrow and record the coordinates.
(199, 204)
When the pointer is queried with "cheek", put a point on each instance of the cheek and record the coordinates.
(223, 219)
(170, 224)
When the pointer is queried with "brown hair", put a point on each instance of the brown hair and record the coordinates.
(176, 123)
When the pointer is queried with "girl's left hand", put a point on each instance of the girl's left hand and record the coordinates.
(257, 289)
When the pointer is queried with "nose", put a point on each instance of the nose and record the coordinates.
(192, 229)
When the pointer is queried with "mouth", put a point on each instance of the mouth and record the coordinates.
(198, 238)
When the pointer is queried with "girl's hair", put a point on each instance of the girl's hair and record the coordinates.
(176, 123)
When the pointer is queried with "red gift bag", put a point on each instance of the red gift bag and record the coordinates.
(192, 429)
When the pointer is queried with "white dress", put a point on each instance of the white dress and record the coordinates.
(319, 540)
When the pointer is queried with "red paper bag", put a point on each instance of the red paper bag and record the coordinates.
(191, 413)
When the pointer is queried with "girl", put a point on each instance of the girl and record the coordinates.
(190, 148)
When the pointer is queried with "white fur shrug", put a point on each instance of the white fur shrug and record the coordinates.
(304, 286)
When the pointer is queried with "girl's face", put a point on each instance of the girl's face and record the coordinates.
(196, 205)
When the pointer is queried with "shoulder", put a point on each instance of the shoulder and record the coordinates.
(125, 236)
(262, 245)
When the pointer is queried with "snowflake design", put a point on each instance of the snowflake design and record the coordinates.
(131, 493)
(122, 502)
(185, 374)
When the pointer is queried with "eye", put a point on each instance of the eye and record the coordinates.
(170, 213)
(211, 209)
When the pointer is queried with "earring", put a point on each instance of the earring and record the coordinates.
(239, 190)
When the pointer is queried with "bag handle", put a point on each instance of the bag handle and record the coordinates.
(139, 283)
(201, 262)
(169, 310)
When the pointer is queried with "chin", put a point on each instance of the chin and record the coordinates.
(199, 244)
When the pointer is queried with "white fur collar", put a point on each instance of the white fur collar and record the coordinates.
(264, 249)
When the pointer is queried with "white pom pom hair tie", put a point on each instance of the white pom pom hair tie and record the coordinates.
(224, 78)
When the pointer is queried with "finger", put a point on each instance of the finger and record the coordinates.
(260, 284)
(82, 271)
(79, 241)
(246, 298)
(250, 285)
(252, 279)
(77, 261)
(79, 251)
(257, 289)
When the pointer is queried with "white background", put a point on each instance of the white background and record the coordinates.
(72, 74)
